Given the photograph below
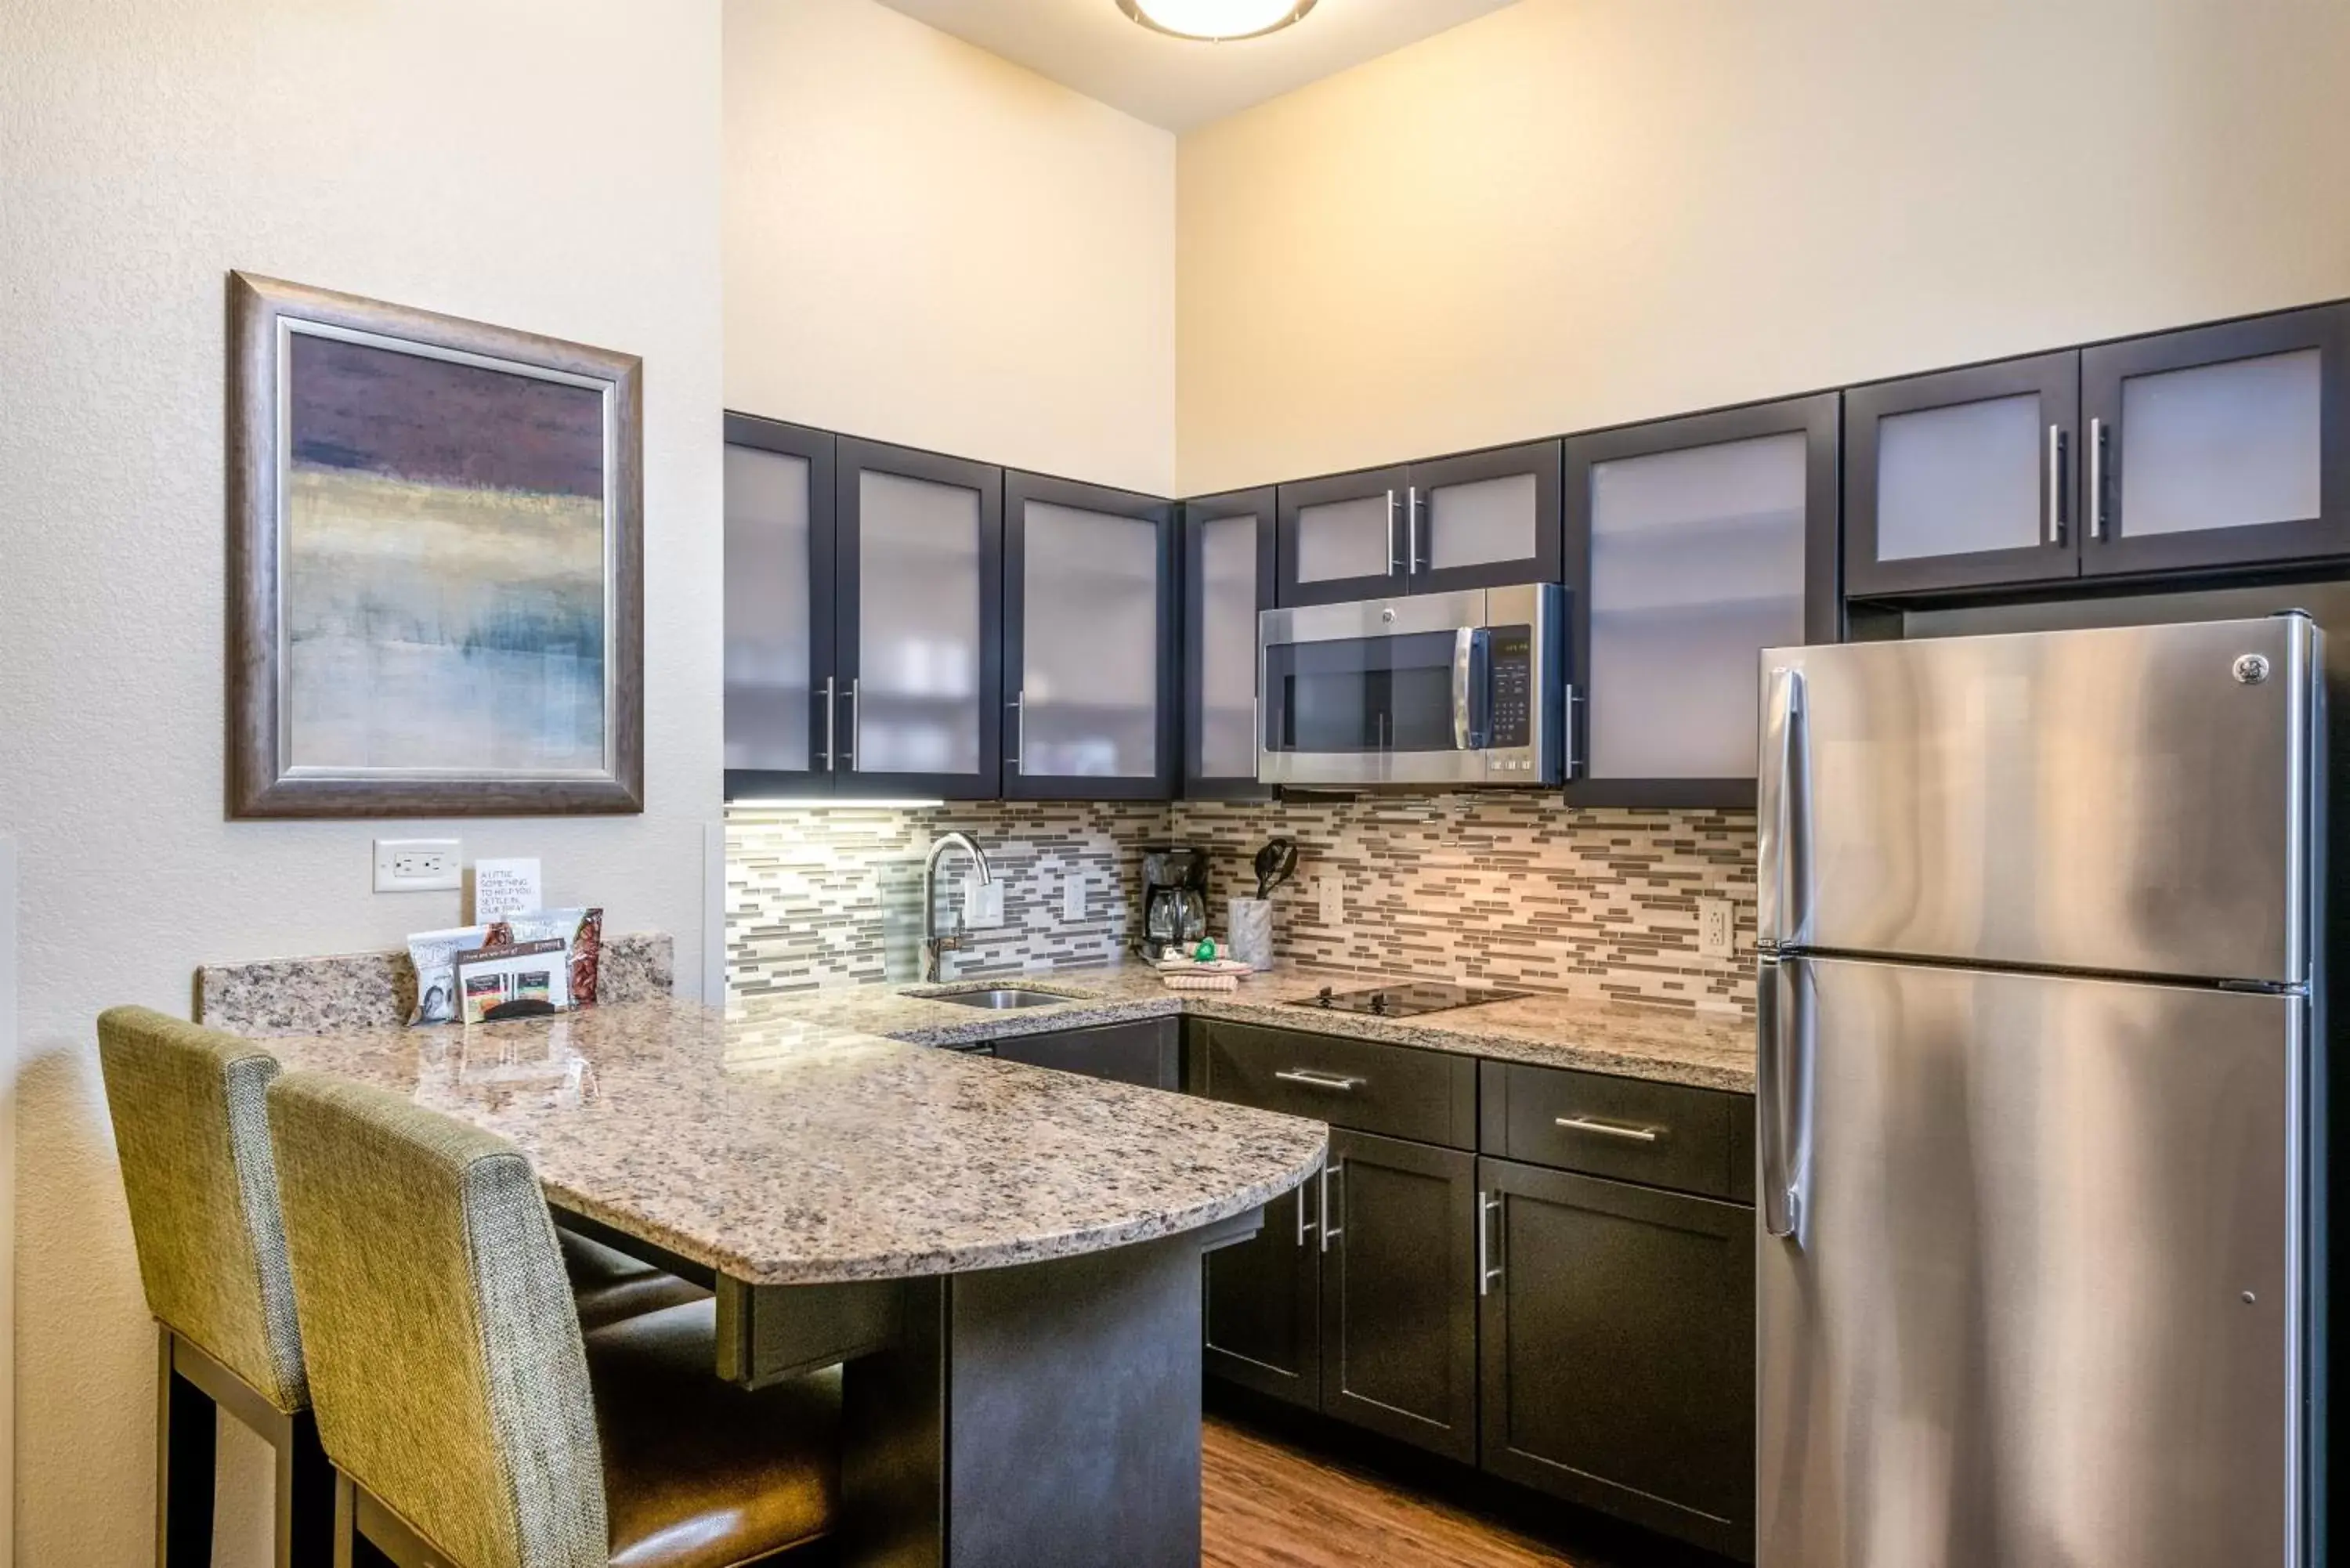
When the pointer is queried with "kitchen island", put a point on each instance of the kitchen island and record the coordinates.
(1006, 1258)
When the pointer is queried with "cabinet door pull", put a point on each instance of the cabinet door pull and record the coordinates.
(1328, 1229)
(1412, 530)
(1314, 1080)
(1305, 1225)
(856, 750)
(1391, 521)
(2096, 479)
(2056, 484)
(1019, 706)
(1610, 1130)
(1488, 1205)
(831, 723)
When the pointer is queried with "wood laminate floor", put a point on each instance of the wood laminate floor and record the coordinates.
(1267, 1506)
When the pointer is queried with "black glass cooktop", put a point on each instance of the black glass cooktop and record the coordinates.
(1405, 997)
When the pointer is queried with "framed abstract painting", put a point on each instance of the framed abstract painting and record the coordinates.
(435, 564)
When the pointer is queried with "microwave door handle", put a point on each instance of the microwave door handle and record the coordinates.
(1465, 658)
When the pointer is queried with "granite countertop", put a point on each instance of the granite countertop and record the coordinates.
(1626, 1040)
(792, 1150)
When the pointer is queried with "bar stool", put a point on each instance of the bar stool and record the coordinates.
(469, 1419)
(194, 1140)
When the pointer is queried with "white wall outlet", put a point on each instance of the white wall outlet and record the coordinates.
(1333, 889)
(419, 864)
(983, 903)
(1073, 896)
(1714, 927)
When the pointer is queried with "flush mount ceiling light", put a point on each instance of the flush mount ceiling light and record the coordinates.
(1215, 21)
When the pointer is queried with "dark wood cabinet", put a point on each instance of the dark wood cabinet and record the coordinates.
(920, 624)
(1479, 519)
(1398, 1302)
(1092, 681)
(779, 586)
(1261, 1306)
(1228, 580)
(1618, 1349)
(1148, 1051)
(1691, 545)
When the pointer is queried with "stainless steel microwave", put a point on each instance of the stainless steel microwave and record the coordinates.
(1460, 689)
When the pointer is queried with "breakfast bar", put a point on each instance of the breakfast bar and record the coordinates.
(1005, 1259)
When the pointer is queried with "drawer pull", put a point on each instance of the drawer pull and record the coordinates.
(1610, 1130)
(1314, 1080)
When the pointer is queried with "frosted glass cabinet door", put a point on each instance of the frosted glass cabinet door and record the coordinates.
(1691, 545)
(1090, 615)
(1961, 479)
(1229, 556)
(1482, 520)
(921, 565)
(778, 607)
(2220, 445)
(1342, 538)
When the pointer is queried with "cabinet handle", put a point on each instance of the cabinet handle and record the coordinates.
(1328, 1229)
(855, 740)
(1314, 1080)
(2096, 479)
(2056, 519)
(1305, 1225)
(1610, 1130)
(1391, 521)
(1412, 530)
(1019, 706)
(831, 721)
(1488, 1205)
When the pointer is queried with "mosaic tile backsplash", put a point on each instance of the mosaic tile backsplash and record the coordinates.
(1514, 890)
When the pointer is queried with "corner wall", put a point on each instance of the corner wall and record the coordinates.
(927, 244)
(552, 166)
(1572, 213)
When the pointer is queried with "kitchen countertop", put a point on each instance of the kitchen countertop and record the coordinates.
(791, 1150)
(1662, 1044)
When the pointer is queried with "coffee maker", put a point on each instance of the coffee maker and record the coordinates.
(1174, 900)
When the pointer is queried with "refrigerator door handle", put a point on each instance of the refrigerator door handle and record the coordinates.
(1782, 812)
(1782, 1106)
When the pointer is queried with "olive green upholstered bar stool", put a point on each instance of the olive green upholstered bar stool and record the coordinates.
(469, 1419)
(194, 1140)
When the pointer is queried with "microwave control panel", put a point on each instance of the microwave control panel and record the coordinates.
(1510, 688)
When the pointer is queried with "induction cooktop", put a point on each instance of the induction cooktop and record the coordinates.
(1405, 997)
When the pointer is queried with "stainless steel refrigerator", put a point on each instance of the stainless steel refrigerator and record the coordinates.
(2040, 1043)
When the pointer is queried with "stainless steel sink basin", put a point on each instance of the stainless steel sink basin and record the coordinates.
(1001, 998)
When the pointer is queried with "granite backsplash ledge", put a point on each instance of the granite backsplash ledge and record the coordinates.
(1510, 889)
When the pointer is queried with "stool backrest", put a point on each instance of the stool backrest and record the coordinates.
(194, 1140)
(445, 1359)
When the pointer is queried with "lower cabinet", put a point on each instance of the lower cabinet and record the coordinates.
(1617, 1348)
(1149, 1053)
(1264, 1303)
(1398, 1290)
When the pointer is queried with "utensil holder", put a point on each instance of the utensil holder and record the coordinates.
(1250, 931)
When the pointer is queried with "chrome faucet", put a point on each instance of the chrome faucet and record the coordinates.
(935, 947)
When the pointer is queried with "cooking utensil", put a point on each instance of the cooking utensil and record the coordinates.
(1275, 864)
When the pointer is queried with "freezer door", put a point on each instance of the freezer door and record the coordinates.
(2039, 1308)
(2132, 799)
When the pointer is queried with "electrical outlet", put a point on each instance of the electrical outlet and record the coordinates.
(1714, 927)
(1334, 899)
(418, 865)
(983, 903)
(1073, 896)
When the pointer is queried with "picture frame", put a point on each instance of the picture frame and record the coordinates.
(435, 574)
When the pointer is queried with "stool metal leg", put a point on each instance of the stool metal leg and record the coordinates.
(186, 1439)
(305, 1496)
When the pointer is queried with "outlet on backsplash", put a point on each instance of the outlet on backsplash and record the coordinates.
(983, 903)
(1331, 888)
(1714, 926)
(1073, 897)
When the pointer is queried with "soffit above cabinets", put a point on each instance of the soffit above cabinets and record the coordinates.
(1092, 46)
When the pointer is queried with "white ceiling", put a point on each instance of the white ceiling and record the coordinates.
(1090, 44)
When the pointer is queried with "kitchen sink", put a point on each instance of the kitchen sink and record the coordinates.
(1000, 998)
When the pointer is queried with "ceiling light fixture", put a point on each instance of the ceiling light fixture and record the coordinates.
(1215, 21)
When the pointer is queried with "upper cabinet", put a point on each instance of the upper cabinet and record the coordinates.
(780, 728)
(2220, 445)
(1691, 545)
(919, 624)
(1484, 519)
(2201, 449)
(1228, 578)
(1091, 696)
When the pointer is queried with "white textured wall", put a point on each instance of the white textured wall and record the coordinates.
(1577, 212)
(549, 164)
(927, 244)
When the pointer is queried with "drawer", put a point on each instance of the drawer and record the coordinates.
(1394, 1090)
(1663, 1135)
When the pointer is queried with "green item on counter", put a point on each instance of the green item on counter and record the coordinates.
(1206, 952)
